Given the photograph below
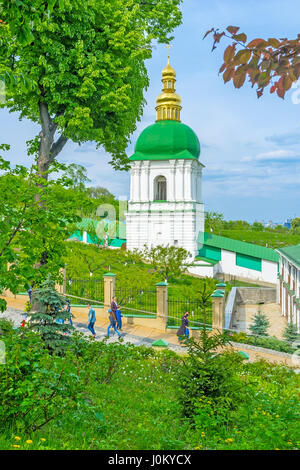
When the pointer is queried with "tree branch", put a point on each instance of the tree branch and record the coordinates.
(57, 147)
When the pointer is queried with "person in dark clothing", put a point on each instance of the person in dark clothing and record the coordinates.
(184, 330)
(68, 309)
(114, 308)
(29, 293)
(113, 322)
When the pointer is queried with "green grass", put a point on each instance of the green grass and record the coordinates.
(269, 238)
(137, 407)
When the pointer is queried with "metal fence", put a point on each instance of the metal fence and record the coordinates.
(177, 308)
(87, 288)
(141, 300)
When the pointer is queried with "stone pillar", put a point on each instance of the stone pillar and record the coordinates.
(218, 311)
(109, 289)
(61, 287)
(162, 305)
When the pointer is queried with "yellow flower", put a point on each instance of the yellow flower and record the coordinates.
(15, 445)
(277, 416)
(202, 434)
(17, 438)
(229, 439)
(29, 441)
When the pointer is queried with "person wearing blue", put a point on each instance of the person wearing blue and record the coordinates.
(113, 322)
(68, 310)
(119, 318)
(184, 330)
(91, 320)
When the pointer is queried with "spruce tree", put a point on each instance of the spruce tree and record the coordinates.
(50, 308)
(290, 333)
(260, 324)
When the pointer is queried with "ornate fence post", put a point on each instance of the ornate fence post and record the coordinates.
(218, 310)
(162, 304)
(109, 289)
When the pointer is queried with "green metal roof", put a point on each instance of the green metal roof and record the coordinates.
(167, 140)
(117, 242)
(238, 247)
(292, 253)
(209, 261)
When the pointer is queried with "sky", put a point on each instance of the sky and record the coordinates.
(250, 147)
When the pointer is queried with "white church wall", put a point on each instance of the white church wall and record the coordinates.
(204, 271)
(227, 265)
(178, 220)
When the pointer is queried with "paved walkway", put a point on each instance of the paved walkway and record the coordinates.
(246, 312)
(140, 335)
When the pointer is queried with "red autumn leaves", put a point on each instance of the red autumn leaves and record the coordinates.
(272, 62)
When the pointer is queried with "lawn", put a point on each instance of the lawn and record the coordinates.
(269, 238)
(128, 398)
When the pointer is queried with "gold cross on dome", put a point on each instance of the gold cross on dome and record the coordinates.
(168, 46)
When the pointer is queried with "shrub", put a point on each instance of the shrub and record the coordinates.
(205, 373)
(260, 324)
(6, 326)
(35, 387)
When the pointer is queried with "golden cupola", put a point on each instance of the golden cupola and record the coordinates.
(168, 103)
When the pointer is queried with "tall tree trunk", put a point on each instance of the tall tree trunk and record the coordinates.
(49, 149)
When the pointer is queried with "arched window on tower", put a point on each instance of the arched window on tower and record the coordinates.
(160, 188)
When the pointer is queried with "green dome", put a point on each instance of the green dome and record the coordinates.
(167, 140)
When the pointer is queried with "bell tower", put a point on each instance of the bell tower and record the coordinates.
(165, 205)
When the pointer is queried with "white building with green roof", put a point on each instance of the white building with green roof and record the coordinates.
(225, 257)
(165, 205)
(289, 283)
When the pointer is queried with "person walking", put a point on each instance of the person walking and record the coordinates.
(68, 310)
(184, 330)
(113, 322)
(29, 293)
(119, 318)
(114, 307)
(91, 320)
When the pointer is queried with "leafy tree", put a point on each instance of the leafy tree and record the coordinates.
(260, 324)
(202, 294)
(28, 233)
(236, 225)
(78, 175)
(50, 308)
(290, 333)
(99, 193)
(296, 225)
(214, 222)
(83, 260)
(257, 226)
(167, 260)
(267, 62)
(84, 63)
